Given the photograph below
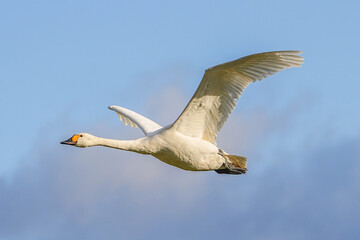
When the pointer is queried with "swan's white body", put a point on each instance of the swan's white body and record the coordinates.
(169, 146)
(190, 142)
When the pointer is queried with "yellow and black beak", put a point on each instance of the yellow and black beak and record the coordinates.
(71, 141)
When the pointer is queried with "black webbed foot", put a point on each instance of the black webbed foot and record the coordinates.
(231, 170)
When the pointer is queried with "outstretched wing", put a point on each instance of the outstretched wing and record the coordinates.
(134, 119)
(221, 87)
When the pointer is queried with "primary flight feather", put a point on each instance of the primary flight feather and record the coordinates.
(190, 142)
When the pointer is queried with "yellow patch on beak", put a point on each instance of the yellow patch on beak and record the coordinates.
(75, 138)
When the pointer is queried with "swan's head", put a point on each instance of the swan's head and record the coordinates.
(81, 140)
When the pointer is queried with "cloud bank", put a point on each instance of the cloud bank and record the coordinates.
(98, 193)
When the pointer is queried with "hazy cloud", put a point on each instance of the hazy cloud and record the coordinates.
(99, 193)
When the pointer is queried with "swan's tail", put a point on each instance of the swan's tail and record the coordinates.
(236, 165)
(237, 161)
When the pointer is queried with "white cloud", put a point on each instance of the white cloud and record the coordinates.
(99, 193)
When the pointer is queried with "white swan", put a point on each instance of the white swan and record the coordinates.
(190, 142)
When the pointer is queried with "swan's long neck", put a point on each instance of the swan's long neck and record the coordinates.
(128, 145)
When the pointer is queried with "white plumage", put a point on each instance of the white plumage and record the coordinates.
(190, 142)
(135, 120)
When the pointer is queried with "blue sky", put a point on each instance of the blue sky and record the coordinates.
(62, 64)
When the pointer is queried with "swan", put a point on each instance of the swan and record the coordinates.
(190, 142)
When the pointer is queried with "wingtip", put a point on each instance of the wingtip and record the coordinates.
(290, 51)
(292, 57)
(111, 107)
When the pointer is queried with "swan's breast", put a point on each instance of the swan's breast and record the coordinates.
(185, 152)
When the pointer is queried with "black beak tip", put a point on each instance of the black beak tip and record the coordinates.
(68, 142)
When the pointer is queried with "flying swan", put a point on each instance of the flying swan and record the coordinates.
(190, 142)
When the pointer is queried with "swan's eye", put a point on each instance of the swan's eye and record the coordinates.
(81, 135)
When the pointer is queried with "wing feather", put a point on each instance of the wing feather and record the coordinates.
(221, 87)
(134, 119)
